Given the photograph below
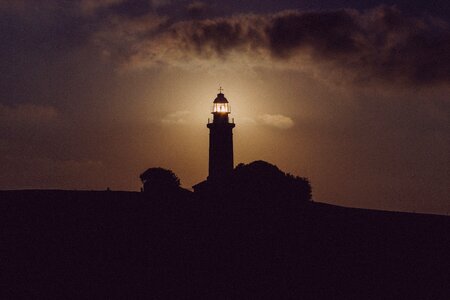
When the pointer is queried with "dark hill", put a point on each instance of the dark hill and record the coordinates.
(68, 244)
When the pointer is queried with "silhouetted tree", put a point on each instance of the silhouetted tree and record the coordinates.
(263, 180)
(159, 180)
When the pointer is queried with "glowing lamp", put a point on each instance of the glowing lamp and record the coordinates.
(221, 108)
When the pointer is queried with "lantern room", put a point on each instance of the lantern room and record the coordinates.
(221, 105)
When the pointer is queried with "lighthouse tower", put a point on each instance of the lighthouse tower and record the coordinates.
(220, 139)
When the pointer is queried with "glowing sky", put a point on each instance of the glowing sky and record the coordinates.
(353, 95)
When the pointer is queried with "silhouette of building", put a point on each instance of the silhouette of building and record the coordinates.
(220, 142)
(220, 139)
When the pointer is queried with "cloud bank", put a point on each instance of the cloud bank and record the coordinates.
(380, 44)
(28, 113)
(176, 118)
(277, 121)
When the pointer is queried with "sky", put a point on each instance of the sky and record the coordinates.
(354, 95)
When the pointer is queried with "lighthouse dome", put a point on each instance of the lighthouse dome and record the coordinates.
(220, 98)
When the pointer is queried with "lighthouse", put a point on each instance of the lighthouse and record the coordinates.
(220, 139)
(221, 162)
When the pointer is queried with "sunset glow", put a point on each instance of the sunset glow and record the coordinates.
(354, 97)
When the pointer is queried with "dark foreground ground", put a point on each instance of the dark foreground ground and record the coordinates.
(110, 245)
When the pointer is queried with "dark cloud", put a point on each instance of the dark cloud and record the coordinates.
(220, 36)
(381, 44)
(324, 33)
